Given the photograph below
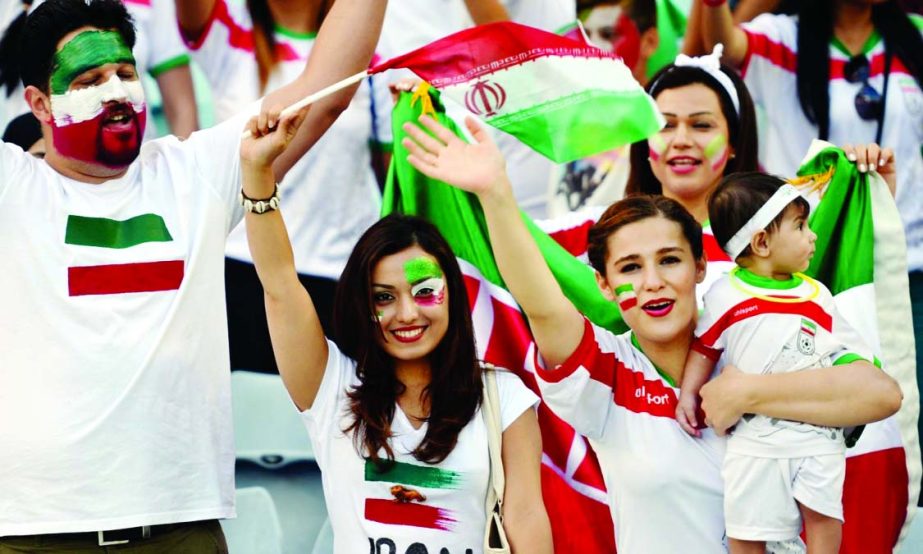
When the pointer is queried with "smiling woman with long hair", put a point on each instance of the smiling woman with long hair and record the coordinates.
(394, 403)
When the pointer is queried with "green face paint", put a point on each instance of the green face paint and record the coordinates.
(419, 269)
(86, 51)
(717, 151)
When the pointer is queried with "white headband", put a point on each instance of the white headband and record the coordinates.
(711, 64)
(763, 217)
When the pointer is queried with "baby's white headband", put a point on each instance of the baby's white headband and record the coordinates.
(763, 217)
(711, 64)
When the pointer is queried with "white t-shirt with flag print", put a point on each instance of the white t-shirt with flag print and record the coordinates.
(664, 487)
(114, 373)
(330, 195)
(747, 317)
(769, 72)
(412, 506)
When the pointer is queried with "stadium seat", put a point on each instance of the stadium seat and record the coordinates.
(256, 528)
(324, 542)
(267, 428)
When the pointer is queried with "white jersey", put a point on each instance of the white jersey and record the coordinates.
(114, 374)
(769, 72)
(753, 320)
(412, 506)
(410, 24)
(330, 196)
(663, 486)
(158, 49)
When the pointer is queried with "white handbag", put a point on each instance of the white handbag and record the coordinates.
(494, 535)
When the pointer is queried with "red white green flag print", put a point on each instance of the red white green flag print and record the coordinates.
(561, 97)
(150, 276)
(411, 489)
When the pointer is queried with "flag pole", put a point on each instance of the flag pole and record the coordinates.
(322, 93)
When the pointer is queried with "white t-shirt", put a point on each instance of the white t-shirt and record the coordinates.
(330, 196)
(362, 501)
(664, 487)
(410, 24)
(760, 335)
(769, 72)
(114, 374)
(158, 48)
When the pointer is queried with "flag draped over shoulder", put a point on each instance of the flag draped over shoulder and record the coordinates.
(563, 98)
(861, 257)
(572, 482)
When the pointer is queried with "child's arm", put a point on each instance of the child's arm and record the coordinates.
(698, 368)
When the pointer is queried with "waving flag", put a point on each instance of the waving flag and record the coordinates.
(563, 98)
(572, 483)
(861, 257)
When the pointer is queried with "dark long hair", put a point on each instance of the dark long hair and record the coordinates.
(815, 31)
(741, 129)
(454, 392)
(264, 36)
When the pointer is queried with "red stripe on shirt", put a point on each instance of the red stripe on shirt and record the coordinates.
(784, 57)
(238, 36)
(124, 278)
(755, 306)
(407, 513)
(630, 389)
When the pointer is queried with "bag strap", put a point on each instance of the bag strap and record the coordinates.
(490, 408)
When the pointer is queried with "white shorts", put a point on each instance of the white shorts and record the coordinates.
(760, 494)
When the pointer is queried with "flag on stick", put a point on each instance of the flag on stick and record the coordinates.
(565, 99)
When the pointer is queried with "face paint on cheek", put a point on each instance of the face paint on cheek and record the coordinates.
(656, 147)
(626, 297)
(717, 152)
(101, 124)
(430, 292)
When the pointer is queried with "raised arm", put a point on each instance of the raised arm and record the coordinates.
(480, 168)
(297, 336)
(344, 47)
(718, 26)
(837, 396)
(524, 517)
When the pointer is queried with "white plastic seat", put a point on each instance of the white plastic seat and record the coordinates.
(256, 528)
(267, 428)
(324, 542)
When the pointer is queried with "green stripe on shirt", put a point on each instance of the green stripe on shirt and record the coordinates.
(410, 474)
(111, 233)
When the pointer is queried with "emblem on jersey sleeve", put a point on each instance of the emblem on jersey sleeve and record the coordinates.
(806, 337)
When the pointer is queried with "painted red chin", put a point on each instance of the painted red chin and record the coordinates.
(112, 139)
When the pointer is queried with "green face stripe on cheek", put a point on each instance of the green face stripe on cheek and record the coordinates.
(656, 146)
(716, 151)
(84, 52)
(421, 268)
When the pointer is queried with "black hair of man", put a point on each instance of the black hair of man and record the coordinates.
(23, 131)
(53, 20)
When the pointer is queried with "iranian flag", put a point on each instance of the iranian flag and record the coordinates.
(861, 257)
(98, 232)
(563, 98)
(572, 483)
(404, 489)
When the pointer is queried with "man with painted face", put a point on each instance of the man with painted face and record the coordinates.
(115, 420)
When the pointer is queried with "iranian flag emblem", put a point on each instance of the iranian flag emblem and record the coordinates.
(806, 336)
(411, 491)
(626, 296)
